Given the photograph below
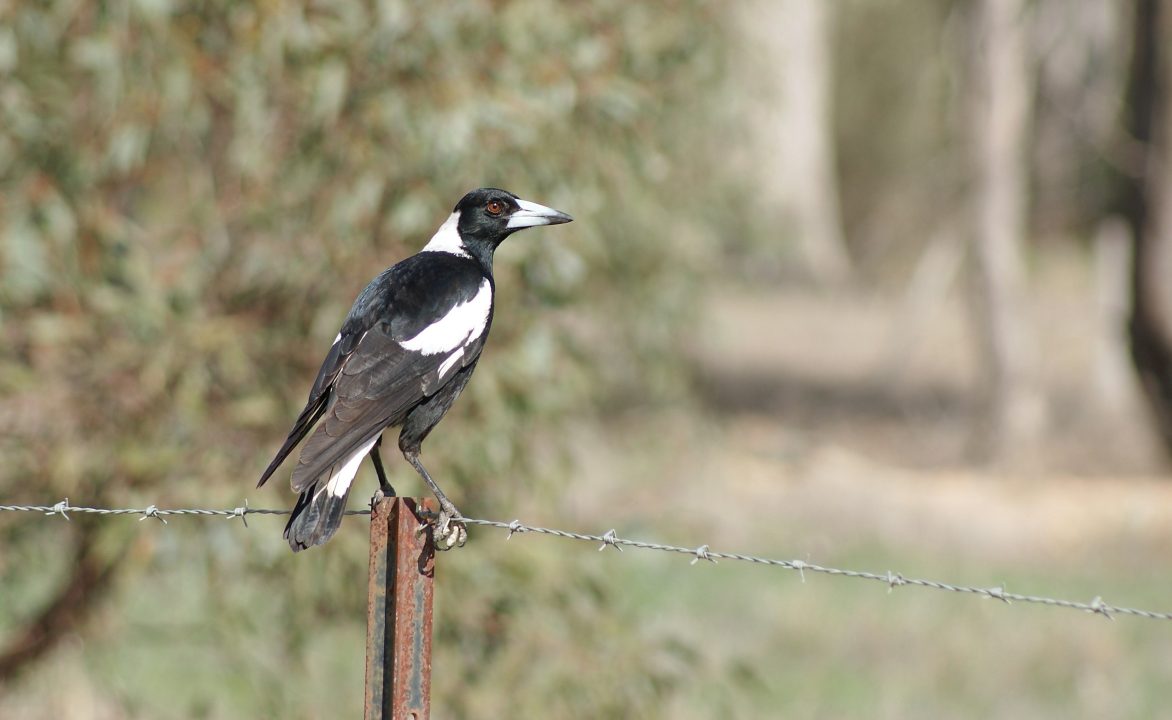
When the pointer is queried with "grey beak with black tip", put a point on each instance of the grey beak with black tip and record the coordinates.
(531, 215)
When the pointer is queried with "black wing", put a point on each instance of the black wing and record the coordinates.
(378, 385)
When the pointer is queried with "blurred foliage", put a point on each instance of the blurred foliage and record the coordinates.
(191, 195)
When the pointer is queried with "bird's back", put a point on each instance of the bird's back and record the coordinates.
(415, 293)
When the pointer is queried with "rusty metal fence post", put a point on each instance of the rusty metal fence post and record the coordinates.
(399, 611)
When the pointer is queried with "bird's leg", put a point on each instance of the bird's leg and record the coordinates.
(384, 486)
(451, 532)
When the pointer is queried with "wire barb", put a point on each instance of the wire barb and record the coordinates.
(1101, 608)
(59, 509)
(610, 538)
(702, 554)
(515, 527)
(800, 566)
(152, 511)
(998, 593)
(894, 580)
(240, 512)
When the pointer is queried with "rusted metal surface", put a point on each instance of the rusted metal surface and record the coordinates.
(399, 611)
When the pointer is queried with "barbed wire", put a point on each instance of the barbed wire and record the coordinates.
(610, 538)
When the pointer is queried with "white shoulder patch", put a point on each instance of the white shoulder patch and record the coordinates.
(447, 238)
(466, 320)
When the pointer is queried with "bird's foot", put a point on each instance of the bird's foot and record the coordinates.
(384, 492)
(450, 530)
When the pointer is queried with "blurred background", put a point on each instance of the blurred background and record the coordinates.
(869, 284)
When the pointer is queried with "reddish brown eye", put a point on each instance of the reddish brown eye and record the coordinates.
(495, 207)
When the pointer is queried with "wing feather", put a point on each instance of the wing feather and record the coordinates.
(389, 382)
(319, 398)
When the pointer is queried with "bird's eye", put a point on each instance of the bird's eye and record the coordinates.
(495, 207)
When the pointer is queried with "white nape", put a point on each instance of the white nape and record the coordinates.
(339, 483)
(468, 319)
(447, 238)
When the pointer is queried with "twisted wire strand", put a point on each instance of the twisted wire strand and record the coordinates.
(610, 539)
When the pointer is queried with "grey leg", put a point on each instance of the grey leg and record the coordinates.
(452, 533)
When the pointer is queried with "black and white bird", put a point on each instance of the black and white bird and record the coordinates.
(406, 350)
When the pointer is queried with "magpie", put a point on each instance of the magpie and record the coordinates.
(405, 352)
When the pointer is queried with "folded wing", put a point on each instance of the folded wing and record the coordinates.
(319, 397)
(378, 385)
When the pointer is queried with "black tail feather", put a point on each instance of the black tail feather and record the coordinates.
(315, 518)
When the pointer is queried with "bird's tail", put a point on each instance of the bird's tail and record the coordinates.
(322, 504)
(316, 517)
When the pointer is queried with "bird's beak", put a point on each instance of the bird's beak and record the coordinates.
(531, 215)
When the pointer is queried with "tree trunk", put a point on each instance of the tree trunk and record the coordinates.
(788, 44)
(1147, 204)
(1013, 410)
(1116, 394)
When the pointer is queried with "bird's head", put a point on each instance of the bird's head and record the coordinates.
(484, 218)
(489, 215)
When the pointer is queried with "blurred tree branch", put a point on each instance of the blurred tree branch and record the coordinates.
(90, 575)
